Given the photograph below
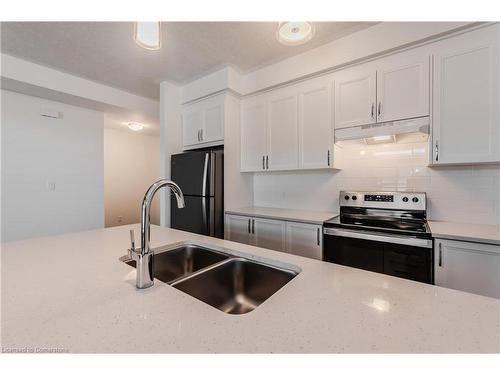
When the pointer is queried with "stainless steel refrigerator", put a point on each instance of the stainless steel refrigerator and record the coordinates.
(200, 175)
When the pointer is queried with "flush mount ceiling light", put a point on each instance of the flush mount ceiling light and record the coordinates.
(135, 126)
(148, 35)
(294, 33)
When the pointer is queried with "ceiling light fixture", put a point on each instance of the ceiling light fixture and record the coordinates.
(294, 33)
(135, 126)
(148, 35)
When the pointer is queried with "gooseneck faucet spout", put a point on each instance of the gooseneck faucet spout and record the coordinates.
(144, 258)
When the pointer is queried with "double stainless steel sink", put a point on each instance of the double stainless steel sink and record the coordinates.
(230, 283)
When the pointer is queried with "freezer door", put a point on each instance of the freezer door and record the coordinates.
(196, 217)
(192, 171)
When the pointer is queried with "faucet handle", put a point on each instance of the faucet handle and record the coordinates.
(132, 243)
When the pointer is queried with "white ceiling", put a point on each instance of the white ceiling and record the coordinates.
(106, 52)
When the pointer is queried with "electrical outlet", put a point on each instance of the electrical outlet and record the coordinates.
(51, 185)
(120, 219)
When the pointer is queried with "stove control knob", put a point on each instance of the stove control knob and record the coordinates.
(415, 200)
(346, 197)
(354, 197)
(405, 199)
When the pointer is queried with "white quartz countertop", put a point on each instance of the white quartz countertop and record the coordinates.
(313, 217)
(71, 292)
(466, 232)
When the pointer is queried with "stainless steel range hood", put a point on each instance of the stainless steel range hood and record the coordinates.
(384, 130)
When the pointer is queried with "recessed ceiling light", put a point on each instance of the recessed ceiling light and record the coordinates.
(135, 126)
(294, 33)
(148, 35)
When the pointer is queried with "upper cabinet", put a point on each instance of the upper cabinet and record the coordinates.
(315, 123)
(282, 130)
(355, 96)
(403, 87)
(289, 128)
(392, 88)
(203, 123)
(466, 101)
(253, 133)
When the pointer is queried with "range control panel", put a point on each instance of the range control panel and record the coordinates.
(379, 198)
(389, 200)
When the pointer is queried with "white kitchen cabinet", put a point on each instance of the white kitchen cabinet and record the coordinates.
(468, 266)
(238, 229)
(282, 130)
(213, 116)
(388, 89)
(203, 123)
(304, 239)
(192, 122)
(253, 134)
(403, 86)
(268, 233)
(293, 237)
(355, 96)
(315, 123)
(466, 97)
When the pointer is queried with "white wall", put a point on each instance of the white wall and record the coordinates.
(131, 165)
(170, 139)
(38, 152)
(238, 187)
(469, 194)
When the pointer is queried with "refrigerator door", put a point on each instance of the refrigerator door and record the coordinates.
(196, 217)
(192, 171)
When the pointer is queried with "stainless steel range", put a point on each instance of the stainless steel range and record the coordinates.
(384, 232)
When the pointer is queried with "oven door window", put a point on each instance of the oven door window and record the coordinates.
(353, 252)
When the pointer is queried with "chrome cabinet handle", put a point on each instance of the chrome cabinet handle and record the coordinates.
(373, 111)
(253, 226)
(263, 162)
(436, 147)
(267, 161)
(317, 236)
(379, 109)
(249, 231)
(201, 134)
(199, 138)
(440, 262)
(328, 157)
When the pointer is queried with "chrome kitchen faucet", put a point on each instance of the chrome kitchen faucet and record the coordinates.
(144, 258)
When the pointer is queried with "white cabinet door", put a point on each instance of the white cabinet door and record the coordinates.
(468, 266)
(238, 229)
(192, 123)
(213, 120)
(315, 123)
(253, 134)
(403, 86)
(466, 97)
(269, 234)
(355, 96)
(304, 240)
(282, 130)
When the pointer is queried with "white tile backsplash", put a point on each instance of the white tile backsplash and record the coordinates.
(469, 194)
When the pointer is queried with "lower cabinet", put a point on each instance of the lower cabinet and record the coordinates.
(304, 239)
(467, 266)
(269, 234)
(288, 236)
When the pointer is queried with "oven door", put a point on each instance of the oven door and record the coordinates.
(403, 256)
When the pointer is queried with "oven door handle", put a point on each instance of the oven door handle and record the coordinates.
(401, 240)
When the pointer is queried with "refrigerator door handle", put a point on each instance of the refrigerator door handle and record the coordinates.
(204, 212)
(205, 176)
